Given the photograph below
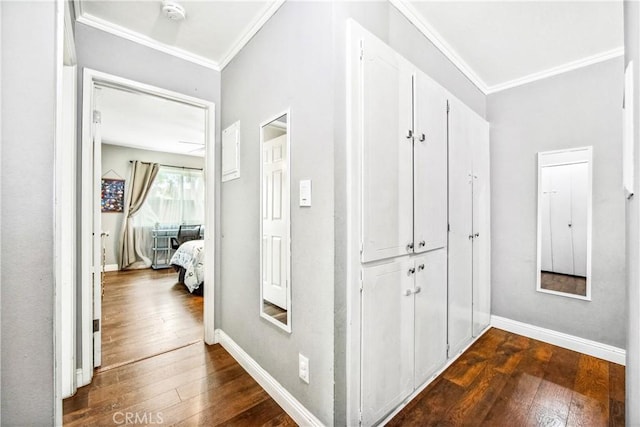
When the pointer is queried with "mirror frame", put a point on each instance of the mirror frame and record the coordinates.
(555, 158)
(286, 327)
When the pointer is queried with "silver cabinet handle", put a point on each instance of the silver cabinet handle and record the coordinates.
(410, 247)
(407, 292)
(422, 243)
(409, 134)
(421, 267)
(418, 289)
(412, 270)
(422, 137)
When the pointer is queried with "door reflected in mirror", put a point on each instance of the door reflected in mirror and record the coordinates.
(275, 289)
(564, 222)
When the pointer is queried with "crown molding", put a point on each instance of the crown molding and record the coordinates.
(255, 26)
(550, 72)
(439, 42)
(117, 30)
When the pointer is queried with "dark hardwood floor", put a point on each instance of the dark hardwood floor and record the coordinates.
(509, 380)
(147, 312)
(563, 283)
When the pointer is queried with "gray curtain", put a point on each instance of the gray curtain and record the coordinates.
(140, 180)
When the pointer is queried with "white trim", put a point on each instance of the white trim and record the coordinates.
(90, 78)
(79, 376)
(571, 342)
(117, 30)
(295, 409)
(253, 29)
(439, 42)
(564, 68)
(69, 38)
(111, 267)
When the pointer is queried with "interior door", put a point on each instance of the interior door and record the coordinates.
(275, 219)
(460, 222)
(387, 338)
(579, 216)
(387, 205)
(481, 225)
(430, 165)
(96, 268)
(430, 314)
(560, 214)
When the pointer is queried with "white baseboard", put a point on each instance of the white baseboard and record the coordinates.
(111, 267)
(79, 378)
(295, 409)
(571, 342)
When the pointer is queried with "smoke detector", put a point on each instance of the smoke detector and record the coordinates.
(173, 10)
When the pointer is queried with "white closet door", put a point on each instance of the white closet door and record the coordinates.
(481, 225)
(387, 193)
(561, 236)
(387, 338)
(430, 165)
(579, 209)
(275, 208)
(460, 221)
(430, 314)
(546, 261)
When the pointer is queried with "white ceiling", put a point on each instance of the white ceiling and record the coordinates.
(211, 34)
(504, 42)
(148, 122)
(497, 44)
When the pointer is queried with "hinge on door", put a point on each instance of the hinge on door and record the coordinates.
(96, 325)
(97, 117)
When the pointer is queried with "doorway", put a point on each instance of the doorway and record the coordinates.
(92, 241)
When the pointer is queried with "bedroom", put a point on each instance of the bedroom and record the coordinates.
(306, 75)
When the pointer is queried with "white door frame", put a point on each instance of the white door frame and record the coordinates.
(90, 79)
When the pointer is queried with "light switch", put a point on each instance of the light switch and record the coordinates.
(305, 192)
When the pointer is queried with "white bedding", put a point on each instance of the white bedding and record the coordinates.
(190, 256)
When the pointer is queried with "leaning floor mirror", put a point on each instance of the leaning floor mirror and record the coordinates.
(564, 222)
(275, 229)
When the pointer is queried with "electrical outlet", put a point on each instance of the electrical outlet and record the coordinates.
(303, 368)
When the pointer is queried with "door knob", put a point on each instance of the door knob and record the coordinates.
(410, 247)
(422, 243)
(412, 270)
(422, 137)
(476, 235)
(421, 267)
(407, 292)
(418, 289)
(409, 134)
(470, 236)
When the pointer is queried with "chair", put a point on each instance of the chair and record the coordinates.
(185, 233)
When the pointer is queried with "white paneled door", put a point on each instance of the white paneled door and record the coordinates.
(429, 165)
(275, 219)
(387, 190)
(461, 227)
(387, 337)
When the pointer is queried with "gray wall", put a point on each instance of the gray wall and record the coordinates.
(115, 164)
(104, 52)
(574, 109)
(632, 53)
(384, 21)
(287, 64)
(28, 130)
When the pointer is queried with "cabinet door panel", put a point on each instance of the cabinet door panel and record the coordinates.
(430, 165)
(430, 314)
(387, 338)
(481, 226)
(460, 221)
(387, 192)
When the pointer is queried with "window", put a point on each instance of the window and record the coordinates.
(176, 197)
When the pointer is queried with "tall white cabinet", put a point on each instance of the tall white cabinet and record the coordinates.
(418, 181)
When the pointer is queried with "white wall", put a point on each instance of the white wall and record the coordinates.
(632, 53)
(28, 129)
(116, 164)
(575, 109)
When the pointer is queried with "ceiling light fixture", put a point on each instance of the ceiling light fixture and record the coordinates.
(173, 10)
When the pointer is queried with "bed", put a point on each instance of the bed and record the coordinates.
(188, 260)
